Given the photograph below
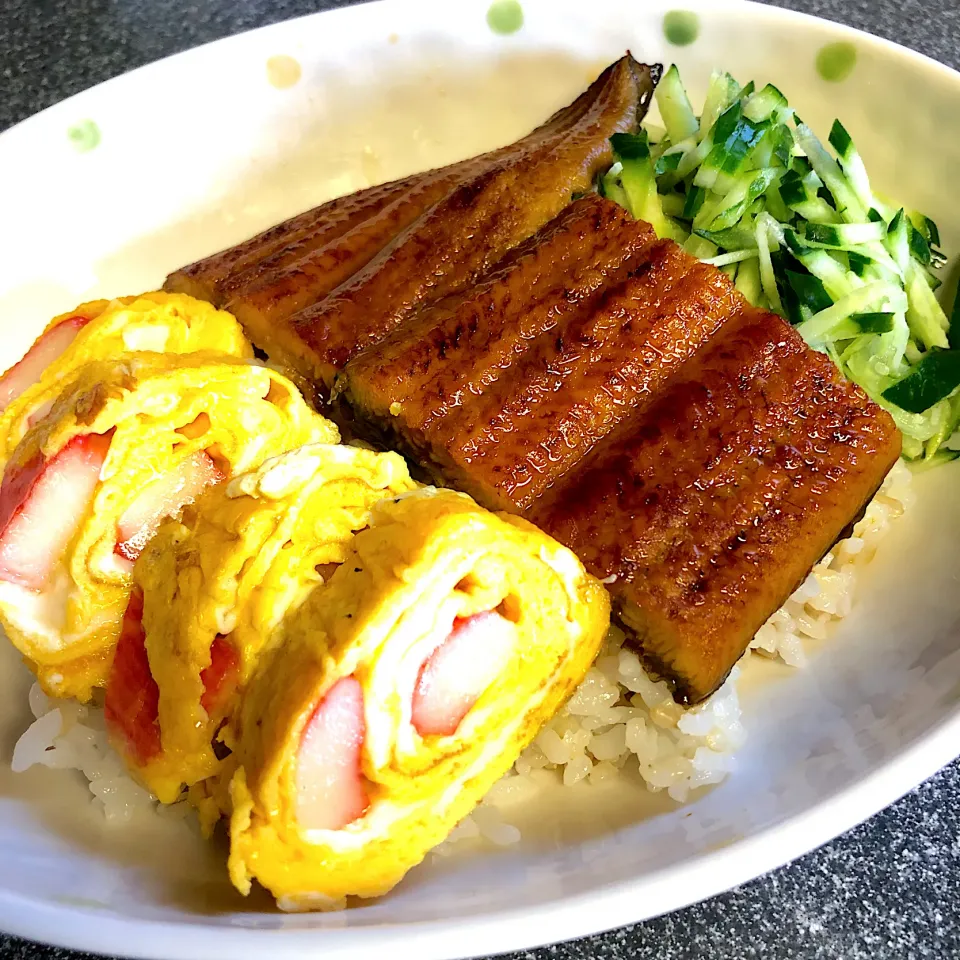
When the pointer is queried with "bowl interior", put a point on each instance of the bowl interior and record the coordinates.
(201, 151)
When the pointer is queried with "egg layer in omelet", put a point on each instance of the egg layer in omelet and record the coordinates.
(216, 590)
(125, 443)
(405, 687)
(105, 330)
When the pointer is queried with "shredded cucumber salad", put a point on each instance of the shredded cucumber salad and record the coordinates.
(748, 187)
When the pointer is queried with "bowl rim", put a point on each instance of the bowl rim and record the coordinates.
(602, 908)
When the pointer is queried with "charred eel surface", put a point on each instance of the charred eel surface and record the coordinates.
(317, 289)
(626, 399)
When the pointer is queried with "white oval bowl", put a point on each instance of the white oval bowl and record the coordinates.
(199, 151)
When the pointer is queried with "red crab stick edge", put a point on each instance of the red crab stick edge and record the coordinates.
(131, 705)
(164, 497)
(49, 347)
(41, 503)
(331, 789)
(455, 675)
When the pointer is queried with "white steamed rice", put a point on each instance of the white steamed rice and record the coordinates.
(618, 718)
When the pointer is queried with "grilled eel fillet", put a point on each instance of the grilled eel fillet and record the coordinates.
(316, 290)
(626, 399)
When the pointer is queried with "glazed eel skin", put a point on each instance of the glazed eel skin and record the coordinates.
(317, 289)
(624, 397)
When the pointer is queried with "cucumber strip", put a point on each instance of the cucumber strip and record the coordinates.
(919, 246)
(942, 456)
(748, 280)
(819, 328)
(837, 281)
(859, 323)
(798, 229)
(927, 227)
(852, 163)
(792, 189)
(716, 181)
(680, 232)
(946, 429)
(631, 146)
(812, 184)
(882, 259)
(638, 180)
(774, 147)
(728, 155)
(785, 145)
(733, 206)
(675, 110)
(873, 322)
(727, 122)
(844, 234)
(725, 259)
(721, 92)
(898, 241)
(800, 195)
(774, 230)
(763, 103)
(707, 212)
(816, 210)
(667, 161)
(611, 189)
(667, 147)
(925, 316)
(859, 262)
(917, 426)
(809, 291)
(691, 161)
(657, 150)
(657, 135)
(894, 346)
(912, 353)
(700, 247)
(643, 200)
(767, 277)
(776, 206)
(736, 238)
(875, 361)
(864, 263)
(848, 203)
(672, 204)
(693, 202)
(935, 378)
(911, 449)
(866, 361)
(953, 332)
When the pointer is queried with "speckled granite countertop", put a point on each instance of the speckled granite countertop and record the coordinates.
(888, 889)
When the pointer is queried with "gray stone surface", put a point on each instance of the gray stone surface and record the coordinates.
(887, 890)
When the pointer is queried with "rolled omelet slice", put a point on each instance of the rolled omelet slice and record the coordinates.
(103, 330)
(405, 687)
(127, 443)
(213, 590)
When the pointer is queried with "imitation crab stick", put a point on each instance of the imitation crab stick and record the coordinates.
(48, 348)
(454, 676)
